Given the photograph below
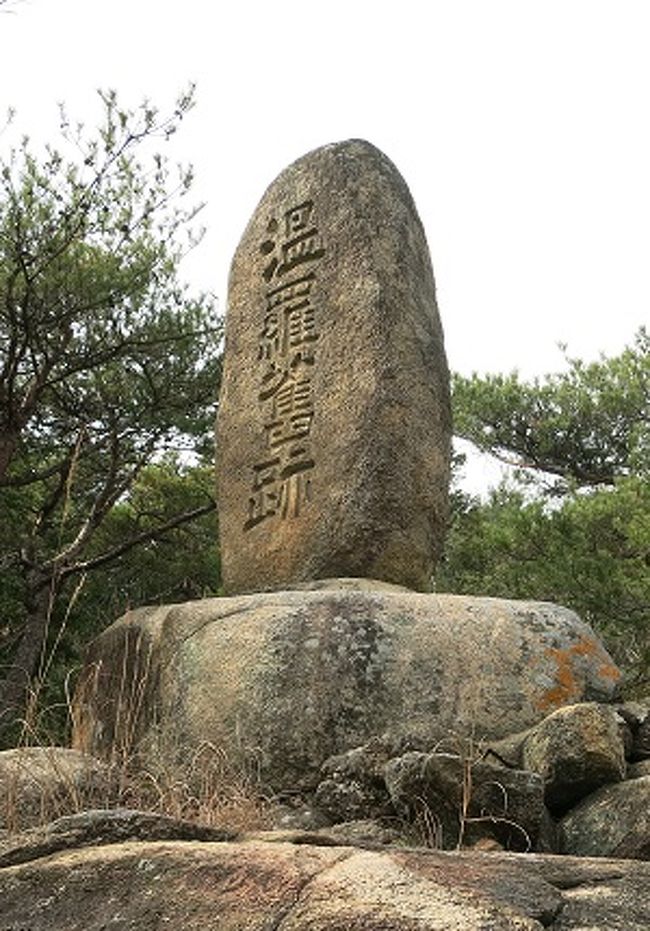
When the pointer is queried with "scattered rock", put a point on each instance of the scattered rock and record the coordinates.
(548, 839)
(576, 750)
(627, 736)
(636, 740)
(460, 801)
(636, 770)
(636, 714)
(354, 787)
(347, 799)
(365, 833)
(508, 751)
(99, 827)
(612, 822)
(299, 817)
(431, 800)
(39, 783)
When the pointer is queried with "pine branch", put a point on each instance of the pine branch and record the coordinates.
(153, 533)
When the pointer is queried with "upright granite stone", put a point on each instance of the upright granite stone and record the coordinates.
(333, 434)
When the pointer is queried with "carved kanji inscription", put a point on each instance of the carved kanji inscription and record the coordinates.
(333, 432)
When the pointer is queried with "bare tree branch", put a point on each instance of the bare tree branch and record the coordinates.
(154, 533)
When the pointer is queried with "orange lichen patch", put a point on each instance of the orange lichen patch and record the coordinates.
(610, 671)
(568, 688)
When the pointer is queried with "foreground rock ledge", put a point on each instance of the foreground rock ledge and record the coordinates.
(291, 883)
(292, 678)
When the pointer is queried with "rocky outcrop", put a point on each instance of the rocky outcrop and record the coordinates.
(298, 882)
(612, 822)
(101, 827)
(39, 783)
(507, 794)
(353, 784)
(463, 801)
(125, 869)
(286, 680)
(433, 719)
(576, 750)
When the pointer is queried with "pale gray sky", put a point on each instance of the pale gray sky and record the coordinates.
(521, 127)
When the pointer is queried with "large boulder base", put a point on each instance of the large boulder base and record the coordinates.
(298, 882)
(334, 425)
(286, 680)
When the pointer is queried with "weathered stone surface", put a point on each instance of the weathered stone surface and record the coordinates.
(39, 783)
(627, 735)
(256, 885)
(635, 770)
(576, 750)
(366, 833)
(508, 751)
(99, 827)
(333, 432)
(298, 816)
(349, 799)
(462, 801)
(353, 787)
(292, 678)
(612, 822)
(636, 714)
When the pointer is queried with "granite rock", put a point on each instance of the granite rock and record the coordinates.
(333, 432)
(299, 883)
(287, 679)
(576, 749)
(460, 801)
(612, 822)
(39, 783)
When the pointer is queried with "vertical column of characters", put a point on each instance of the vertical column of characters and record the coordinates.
(281, 481)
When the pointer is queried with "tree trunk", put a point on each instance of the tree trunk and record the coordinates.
(8, 443)
(19, 674)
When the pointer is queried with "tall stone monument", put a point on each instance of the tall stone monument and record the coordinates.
(333, 448)
(333, 433)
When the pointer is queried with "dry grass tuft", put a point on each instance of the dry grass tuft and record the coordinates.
(40, 781)
(207, 790)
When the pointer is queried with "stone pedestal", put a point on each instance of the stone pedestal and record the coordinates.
(287, 679)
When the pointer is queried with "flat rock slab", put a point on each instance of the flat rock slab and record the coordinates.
(288, 679)
(101, 827)
(255, 885)
(334, 427)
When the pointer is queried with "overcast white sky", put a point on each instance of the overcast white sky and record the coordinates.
(521, 127)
